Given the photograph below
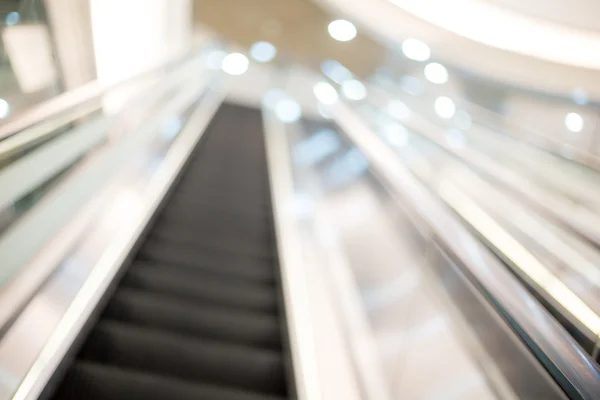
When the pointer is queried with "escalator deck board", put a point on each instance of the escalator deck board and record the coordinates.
(196, 313)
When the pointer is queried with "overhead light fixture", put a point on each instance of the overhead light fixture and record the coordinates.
(574, 122)
(444, 107)
(235, 64)
(415, 49)
(263, 52)
(354, 90)
(4, 108)
(342, 30)
(325, 93)
(288, 110)
(436, 73)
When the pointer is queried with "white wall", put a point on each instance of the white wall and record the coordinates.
(71, 30)
(131, 36)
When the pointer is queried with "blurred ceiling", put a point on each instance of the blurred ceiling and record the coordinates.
(298, 28)
(580, 14)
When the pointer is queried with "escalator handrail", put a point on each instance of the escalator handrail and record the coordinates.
(564, 359)
(66, 101)
(517, 185)
(526, 135)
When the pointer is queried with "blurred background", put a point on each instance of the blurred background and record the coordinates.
(309, 199)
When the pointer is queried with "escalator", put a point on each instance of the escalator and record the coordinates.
(197, 312)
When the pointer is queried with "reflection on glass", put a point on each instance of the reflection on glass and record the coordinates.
(346, 168)
(354, 90)
(335, 71)
(13, 18)
(324, 112)
(398, 110)
(411, 85)
(317, 147)
(214, 60)
(455, 138)
(580, 96)
(463, 120)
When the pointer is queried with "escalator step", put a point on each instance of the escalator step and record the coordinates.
(183, 201)
(186, 358)
(159, 252)
(91, 381)
(210, 322)
(259, 275)
(211, 290)
(192, 246)
(196, 312)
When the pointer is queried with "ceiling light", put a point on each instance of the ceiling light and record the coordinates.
(4, 108)
(263, 52)
(235, 64)
(444, 107)
(574, 122)
(288, 110)
(354, 90)
(342, 30)
(325, 93)
(436, 73)
(415, 49)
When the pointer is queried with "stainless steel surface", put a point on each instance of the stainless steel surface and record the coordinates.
(331, 268)
(567, 263)
(408, 327)
(42, 335)
(294, 281)
(564, 358)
